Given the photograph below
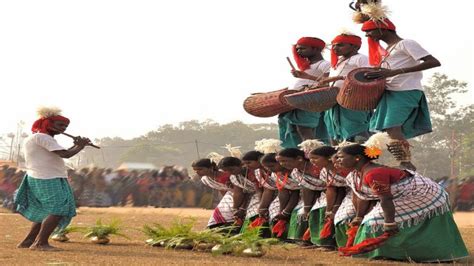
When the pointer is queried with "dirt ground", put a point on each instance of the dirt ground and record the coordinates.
(121, 251)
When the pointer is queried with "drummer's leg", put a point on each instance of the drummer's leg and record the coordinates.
(400, 148)
(305, 132)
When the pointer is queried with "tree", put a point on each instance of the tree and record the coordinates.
(432, 153)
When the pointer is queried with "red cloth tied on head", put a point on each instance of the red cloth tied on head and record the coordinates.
(343, 38)
(43, 125)
(301, 62)
(376, 52)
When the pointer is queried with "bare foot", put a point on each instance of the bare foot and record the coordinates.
(46, 247)
(25, 244)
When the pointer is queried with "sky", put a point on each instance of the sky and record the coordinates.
(123, 68)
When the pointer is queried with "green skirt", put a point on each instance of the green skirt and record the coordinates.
(341, 236)
(316, 224)
(288, 121)
(247, 222)
(344, 124)
(297, 226)
(435, 239)
(408, 109)
(38, 198)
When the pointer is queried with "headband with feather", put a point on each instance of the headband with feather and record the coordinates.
(47, 115)
(268, 145)
(372, 10)
(310, 144)
(376, 144)
(234, 151)
(215, 157)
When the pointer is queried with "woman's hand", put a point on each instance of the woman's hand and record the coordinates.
(356, 221)
(391, 228)
(264, 213)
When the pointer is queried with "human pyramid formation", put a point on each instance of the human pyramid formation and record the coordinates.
(300, 188)
(304, 190)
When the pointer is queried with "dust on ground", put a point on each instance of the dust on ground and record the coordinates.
(13, 227)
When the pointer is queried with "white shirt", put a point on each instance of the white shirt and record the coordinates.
(317, 69)
(41, 162)
(346, 66)
(405, 53)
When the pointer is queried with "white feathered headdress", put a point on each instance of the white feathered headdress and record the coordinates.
(346, 31)
(376, 144)
(234, 151)
(215, 157)
(310, 144)
(373, 10)
(45, 112)
(343, 144)
(268, 145)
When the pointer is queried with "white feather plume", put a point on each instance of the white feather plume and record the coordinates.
(234, 151)
(346, 31)
(310, 144)
(215, 157)
(344, 143)
(378, 140)
(375, 11)
(45, 112)
(268, 145)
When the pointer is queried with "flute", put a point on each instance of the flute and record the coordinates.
(89, 144)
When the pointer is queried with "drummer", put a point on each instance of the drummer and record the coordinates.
(403, 109)
(344, 124)
(298, 125)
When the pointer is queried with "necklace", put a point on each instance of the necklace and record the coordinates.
(280, 183)
(330, 176)
(264, 176)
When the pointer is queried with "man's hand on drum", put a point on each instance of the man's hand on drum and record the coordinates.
(302, 75)
(382, 73)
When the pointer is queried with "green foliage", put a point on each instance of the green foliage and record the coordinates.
(71, 229)
(249, 239)
(180, 234)
(179, 229)
(101, 230)
(432, 153)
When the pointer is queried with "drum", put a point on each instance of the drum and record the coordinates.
(359, 93)
(315, 100)
(268, 104)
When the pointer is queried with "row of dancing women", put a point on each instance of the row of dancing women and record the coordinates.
(334, 198)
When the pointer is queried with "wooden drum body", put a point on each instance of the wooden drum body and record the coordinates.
(359, 93)
(315, 100)
(268, 104)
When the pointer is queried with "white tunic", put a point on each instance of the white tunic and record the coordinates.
(41, 161)
(317, 69)
(405, 53)
(346, 66)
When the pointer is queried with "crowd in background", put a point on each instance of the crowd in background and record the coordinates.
(98, 187)
(168, 187)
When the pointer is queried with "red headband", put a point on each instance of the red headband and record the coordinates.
(351, 39)
(43, 125)
(383, 24)
(376, 52)
(301, 62)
